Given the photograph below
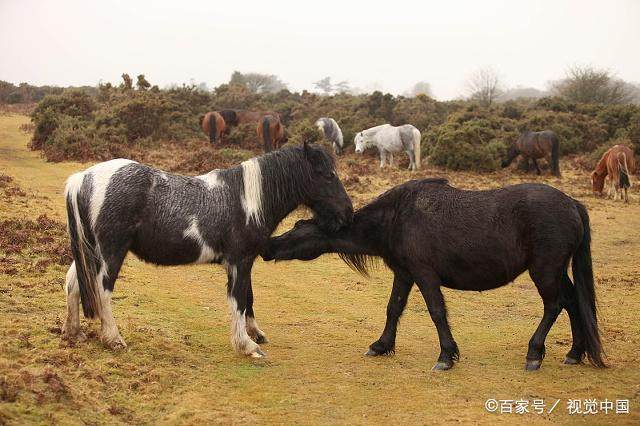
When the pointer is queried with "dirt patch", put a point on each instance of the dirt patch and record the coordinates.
(32, 244)
(9, 188)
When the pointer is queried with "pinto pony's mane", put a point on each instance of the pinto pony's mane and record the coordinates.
(287, 176)
(381, 214)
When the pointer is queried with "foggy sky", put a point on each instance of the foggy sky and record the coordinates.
(389, 45)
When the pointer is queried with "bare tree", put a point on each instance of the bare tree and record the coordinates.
(589, 85)
(342, 87)
(258, 83)
(484, 86)
(324, 85)
(420, 88)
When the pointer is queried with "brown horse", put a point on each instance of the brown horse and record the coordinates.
(534, 145)
(244, 116)
(616, 164)
(271, 131)
(213, 125)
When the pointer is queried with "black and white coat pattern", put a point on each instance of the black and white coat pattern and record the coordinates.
(225, 217)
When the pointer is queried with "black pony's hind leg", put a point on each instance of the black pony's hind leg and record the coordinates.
(548, 282)
(253, 330)
(397, 301)
(569, 300)
(429, 285)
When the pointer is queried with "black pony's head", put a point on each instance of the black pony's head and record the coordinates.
(325, 194)
(305, 241)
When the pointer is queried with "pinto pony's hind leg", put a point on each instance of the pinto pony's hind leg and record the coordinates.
(110, 335)
(237, 288)
(71, 329)
(397, 301)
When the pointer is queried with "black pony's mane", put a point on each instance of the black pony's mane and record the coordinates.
(385, 205)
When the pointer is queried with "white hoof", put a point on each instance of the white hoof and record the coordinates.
(257, 353)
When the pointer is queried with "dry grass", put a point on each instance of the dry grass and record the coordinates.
(319, 316)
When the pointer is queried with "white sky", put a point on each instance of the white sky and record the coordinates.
(384, 44)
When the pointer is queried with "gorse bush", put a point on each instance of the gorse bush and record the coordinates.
(462, 135)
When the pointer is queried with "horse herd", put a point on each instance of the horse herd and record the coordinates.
(615, 166)
(427, 232)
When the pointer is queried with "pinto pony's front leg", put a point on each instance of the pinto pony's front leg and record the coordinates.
(239, 280)
(253, 330)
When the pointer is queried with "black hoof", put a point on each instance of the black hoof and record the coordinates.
(571, 361)
(533, 364)
(378, 348)
(442, 366)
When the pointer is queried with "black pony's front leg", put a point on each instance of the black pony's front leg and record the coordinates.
(397, 301)
(238, 284)
(429, 285)
(253, 330)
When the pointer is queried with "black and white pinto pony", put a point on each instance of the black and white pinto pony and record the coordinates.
(434, 235)
(224, 217)
(389, 140)
(331, 131)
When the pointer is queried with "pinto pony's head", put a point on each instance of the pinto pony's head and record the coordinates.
(325, 194)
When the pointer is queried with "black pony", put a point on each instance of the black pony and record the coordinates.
(535, 145)
(225, 216)
(432, 234)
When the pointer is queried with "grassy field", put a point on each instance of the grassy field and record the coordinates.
(319, 316)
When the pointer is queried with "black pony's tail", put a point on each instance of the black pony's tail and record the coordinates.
(585, 289)
(266, 134)
(212, 128)
(625, 182)
(555, 156)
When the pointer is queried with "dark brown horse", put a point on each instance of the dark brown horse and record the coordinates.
(535, 145)
(271, 132)
(213, 125)
(617, 164)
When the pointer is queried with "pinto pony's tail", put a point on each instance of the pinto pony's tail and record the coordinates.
(83, 246)
(625, 182)
(555, 156)
(585, 289)
(417, 140)
(266, 133)
(212, 128)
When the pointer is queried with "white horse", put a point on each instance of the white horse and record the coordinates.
(389, 140)
(331, 131)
